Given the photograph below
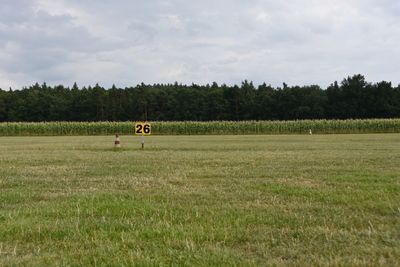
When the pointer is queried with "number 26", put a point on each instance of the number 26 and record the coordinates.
(143, 128)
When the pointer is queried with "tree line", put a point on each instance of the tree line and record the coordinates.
(353, 98)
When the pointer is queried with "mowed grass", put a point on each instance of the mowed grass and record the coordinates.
(200, 200)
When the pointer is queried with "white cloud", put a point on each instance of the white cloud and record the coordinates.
(127, 42)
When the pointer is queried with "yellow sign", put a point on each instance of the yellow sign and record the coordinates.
(143, 128)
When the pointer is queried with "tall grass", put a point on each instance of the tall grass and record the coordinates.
(203, 128)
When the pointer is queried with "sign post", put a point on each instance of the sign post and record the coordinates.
(142, 128)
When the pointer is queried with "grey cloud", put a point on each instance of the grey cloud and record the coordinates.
(127, 42)
(14, 12)
(38, 45)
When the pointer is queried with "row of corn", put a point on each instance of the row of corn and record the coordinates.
(203, 128)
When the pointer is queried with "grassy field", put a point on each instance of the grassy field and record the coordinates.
(201, 200)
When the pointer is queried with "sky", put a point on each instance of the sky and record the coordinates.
(126, 42)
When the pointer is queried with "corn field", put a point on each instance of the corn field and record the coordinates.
(203, 128)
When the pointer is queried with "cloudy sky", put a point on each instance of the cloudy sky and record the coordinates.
(125, 42)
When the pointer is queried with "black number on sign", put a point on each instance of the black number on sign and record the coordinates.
(139, 128)
(142, 129)
(146, 128)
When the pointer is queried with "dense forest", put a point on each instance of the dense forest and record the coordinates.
(352, 98)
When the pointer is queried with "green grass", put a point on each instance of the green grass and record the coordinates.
(201, 200)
